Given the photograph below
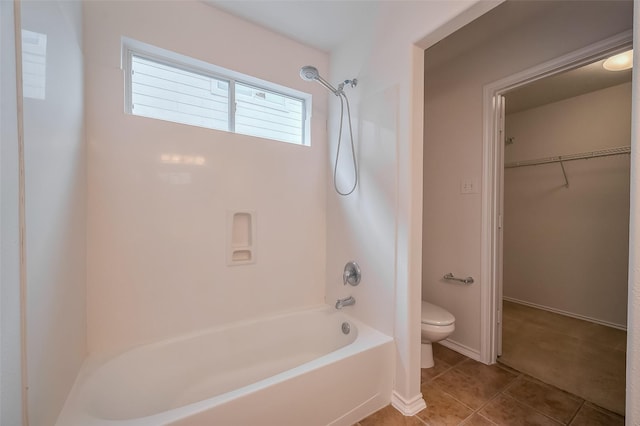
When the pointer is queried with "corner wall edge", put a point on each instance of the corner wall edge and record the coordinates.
(408, 407)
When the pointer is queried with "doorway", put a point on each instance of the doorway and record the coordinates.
(566, 227)
(495, 153)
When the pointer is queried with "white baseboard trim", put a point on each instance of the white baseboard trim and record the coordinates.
(460, 348)
(565, 313)
(408, 407)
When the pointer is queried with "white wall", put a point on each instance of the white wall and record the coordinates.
(379, 225)
(157, 232)
(55, 187)
(10, 353)
(567, 248)
(513, 37)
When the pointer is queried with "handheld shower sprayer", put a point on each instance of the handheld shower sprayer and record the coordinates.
(310, 73)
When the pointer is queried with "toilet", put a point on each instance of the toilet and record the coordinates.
(437, 325)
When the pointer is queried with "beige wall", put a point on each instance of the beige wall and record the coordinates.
(511, 38)
(55, 200)
(567, 248)
(157, 232)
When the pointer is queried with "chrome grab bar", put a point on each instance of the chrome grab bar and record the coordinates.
(449, 276)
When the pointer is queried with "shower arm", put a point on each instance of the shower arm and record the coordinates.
(328, 86)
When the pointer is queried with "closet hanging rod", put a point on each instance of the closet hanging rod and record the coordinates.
(571, 157)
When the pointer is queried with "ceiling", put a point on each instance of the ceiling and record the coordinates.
(322, 24)
(568, 84)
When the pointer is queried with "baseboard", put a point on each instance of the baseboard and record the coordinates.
(408, 407)
(460, 348)
(565, 313)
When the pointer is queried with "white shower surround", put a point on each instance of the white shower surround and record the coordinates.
(156, 236)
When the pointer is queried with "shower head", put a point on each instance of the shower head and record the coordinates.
(309, 73)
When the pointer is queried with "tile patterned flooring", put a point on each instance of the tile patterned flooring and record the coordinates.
(461, 391)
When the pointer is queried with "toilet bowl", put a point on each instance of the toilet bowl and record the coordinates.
(437, 324)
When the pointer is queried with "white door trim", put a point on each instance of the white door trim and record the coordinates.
(492, 175)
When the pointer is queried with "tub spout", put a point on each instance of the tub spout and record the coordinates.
(347, 301)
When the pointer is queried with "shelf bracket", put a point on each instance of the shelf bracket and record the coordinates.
(564, 173)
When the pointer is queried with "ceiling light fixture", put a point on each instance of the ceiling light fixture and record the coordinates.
(619, 62)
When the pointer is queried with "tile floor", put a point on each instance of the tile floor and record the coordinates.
(461, 391)
(577, 356)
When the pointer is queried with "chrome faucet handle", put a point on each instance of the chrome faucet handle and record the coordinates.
(351, 274)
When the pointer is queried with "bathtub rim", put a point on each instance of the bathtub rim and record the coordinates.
(98, 359)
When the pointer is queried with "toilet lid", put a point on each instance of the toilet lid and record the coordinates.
(435, 315)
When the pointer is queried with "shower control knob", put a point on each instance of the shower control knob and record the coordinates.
(351, 274)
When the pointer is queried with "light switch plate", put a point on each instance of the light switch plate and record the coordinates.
(469, 186)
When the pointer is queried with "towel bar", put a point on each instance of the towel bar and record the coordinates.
(449, 276)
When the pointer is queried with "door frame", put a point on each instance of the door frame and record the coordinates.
(493, 177)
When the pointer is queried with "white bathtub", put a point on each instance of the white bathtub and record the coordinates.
(291, 369)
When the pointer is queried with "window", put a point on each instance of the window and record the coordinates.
(167, 86)
(34, 64)
(173, 94)
(271, 115)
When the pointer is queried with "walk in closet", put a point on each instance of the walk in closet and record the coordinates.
(566, 227)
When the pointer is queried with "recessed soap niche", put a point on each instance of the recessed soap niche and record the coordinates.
(241, 231)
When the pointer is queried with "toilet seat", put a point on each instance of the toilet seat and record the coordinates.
(435, 315)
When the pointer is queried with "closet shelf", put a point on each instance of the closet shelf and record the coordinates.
(571, 157)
